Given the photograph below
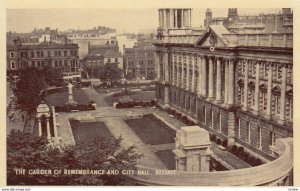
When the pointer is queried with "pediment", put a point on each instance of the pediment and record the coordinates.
(213, 37)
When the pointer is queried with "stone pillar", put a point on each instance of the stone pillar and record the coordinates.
(245, 105)
(167, 99)
(187, 73)
(173, 69)
(219, 82)
(182, 22)
(283, 91)
(178, 74)
(171, 15)
(40, 127)
(192, 152)
(157, 60)
(54, 122)
(256, 104)
(269, 92)
(193, 74)
(176, 24)
(166, 66)
(204, 81)
(231, 82)
(211, 78)
(48, 128)
(199, 63)
(182, 73)
(226, 82)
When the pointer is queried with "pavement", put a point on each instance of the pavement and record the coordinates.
(114, 120)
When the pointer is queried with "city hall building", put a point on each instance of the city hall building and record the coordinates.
(237, 85)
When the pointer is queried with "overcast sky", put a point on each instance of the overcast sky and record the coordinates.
(124, 20)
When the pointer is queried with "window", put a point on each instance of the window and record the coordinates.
(251, 94)
(58, 53)
(116, 59)
(32, 54)
(108, 60)
(259, 136)
(249, 132)
(263, 100)
(241, 91)
(289, 108)
(60, 63)
(12, 55)
(13, 65)
(276, 104)
(56, 63)
(141, 63)
(65, 53)
(49, 53)
(264, 70)
(33, 63)
(220, 122)
(272, 138)
(71, 52)
(42, 54)
(65, 63)
(239, 127)
(38, 54)
(38, 63)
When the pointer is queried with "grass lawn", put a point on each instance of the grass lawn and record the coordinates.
(86, 131)
(151, 130)
(168, 158)
(137, 96)
(61, 98)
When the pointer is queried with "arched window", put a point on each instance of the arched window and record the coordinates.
(251, 94)
(263, 97)
(241, 91)
(289, 104)
(276, 100)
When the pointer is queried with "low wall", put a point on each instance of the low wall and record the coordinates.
(267, 174)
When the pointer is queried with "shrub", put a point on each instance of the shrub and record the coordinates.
(219, 141)
(224, 143)
(213, 137)
(234, 149)
(240, 150)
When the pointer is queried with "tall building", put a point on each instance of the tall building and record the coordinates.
(238, 86)
(139, 61)
(63, 56)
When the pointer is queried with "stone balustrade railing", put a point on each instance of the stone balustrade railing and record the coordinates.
(262, 40)
(272, 173)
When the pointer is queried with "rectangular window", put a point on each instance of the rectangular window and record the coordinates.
(38, 63)
(49, 53)
(56, 63)
(116, 59)
(42, 54)
(65, 53)
(65, 63)
(59, 53)
(12, 55)
(108, 60)
(33, 63)
(32, 54)
(60, 63)
(38, 54)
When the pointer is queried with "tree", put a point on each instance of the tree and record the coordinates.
(25, 151)
(110, 73)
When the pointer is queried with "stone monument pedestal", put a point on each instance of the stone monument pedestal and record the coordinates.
(192, 151)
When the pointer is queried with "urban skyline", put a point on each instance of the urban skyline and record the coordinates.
(124, 20)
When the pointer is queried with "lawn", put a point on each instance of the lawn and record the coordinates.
(151, 130)
(137, 96)
(168, 158)
(60, 98)
(85, 131)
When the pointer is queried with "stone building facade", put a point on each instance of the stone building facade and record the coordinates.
(237, 86)
(278, 22)
(63, 56)
(139, 61)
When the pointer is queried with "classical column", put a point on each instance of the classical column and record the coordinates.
(245, 105)
(211, 78)
(204, 81)
(199, 63)
(256, 95)
(182, 26)
(226, 82)
(171, 18)
(178, 72)
(175, 16)
(193, 73)
(269, 92)
(173, 69)
(182, 72)
(166, 66)
(54, 122)
(231, 82)
(187, 72)
(40, 126)
(157, 60)
(219, 82)
(48, 128)
(283, 91)
(159, 15)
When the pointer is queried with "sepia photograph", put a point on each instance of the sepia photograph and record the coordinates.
(184, 96)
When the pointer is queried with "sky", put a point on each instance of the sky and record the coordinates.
(124, 20)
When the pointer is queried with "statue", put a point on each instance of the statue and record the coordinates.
(70, 92)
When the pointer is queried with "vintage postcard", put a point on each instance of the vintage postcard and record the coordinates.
(158, 95)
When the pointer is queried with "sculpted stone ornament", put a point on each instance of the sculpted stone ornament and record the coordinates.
(70, 92)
